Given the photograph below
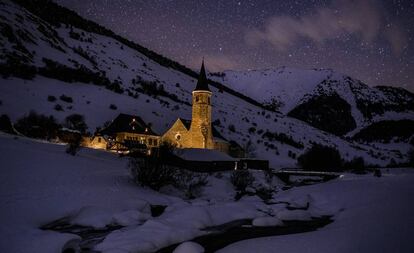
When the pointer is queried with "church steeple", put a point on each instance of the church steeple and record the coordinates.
(202, 79)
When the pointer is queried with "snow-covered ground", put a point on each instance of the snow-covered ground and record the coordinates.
(376, 215)
(41, 183)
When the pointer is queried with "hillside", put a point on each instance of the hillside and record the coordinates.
(317, 96)
(46, 55)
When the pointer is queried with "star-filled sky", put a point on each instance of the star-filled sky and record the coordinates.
(370, 40)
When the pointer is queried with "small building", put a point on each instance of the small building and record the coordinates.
(128, 132)
(97, 141)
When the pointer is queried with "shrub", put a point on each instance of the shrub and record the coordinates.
(58, 108)
(356, 165)
(241, 179)
(66, 99)
(150, 172)
(322, 158)
(76, 122)
(232, 128)
(38, 126)
(153, 171)
(6, 124)
(51, 98)
(74, 146)
(411, 158)
(190, 182)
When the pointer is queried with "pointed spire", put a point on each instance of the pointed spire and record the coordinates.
(202, 83)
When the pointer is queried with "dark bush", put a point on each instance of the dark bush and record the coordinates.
(51, 98)
(74, 146)
(190, 182)
(76, 122)
(411, 158)
(6, 124)
(241, 179)
(232, 128)
(320, 158)
(66, 99)
(37, 126)
(58, 108)
(356, 165)
(153, 171)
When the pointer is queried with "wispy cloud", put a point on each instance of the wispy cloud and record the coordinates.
(363, 18)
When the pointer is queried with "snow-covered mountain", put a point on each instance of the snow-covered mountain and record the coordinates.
(48, 51)
(324, 98)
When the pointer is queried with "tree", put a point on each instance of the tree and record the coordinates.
(320, 157)
(76, 122)
(38, 126)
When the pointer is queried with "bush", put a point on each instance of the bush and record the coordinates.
(66, 99)
(58, 108)
(321, 158)
(6, 124)
(38, 126)
(241, 179)
(232, 128)
(190, 182)
(76, 122)
(411, 158)
(153, 171)
(74, 146)
(150, 172)
(356, 165)
(51, 98)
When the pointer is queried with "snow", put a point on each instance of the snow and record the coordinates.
(373, 215)
(189, 247)
(93, 189)
(267, 221)
(40, 183)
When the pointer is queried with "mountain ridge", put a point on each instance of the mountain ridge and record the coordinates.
(104, 77)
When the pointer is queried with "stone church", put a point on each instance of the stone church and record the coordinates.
(198, 132)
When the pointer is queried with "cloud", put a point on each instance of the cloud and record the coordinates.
(215, 63)
(363, 18)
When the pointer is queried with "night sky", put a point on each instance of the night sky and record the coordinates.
(369, 40)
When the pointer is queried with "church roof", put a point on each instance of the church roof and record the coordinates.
(202, 83)
(215, 132)
(127, 123)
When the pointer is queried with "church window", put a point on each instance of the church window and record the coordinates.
(197, 98)
(99, 139)
(155, 142)
(150, 142)
(208, 100)
(178, 137)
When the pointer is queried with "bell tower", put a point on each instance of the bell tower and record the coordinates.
(200, 129)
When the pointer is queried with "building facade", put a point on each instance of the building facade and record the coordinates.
(198, 132)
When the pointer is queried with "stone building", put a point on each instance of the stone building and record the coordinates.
(198, 132)
(127, 132)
